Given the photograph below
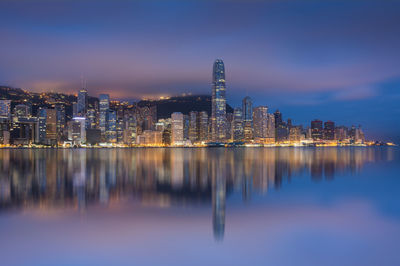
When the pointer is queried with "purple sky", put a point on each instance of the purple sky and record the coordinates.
(311, 59)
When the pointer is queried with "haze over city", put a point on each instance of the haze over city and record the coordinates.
(334, 60)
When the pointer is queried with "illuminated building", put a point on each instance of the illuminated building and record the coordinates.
(218, 105)
(281, 129)
(111, 133)
(47, 129)
(5, 109)
(177, 128)
(91, 119)
(271, 129)
(316, 130)
(247, 109)
(260, 123)
(77, 130)
(151, 137)
(194, 126)
(203, 126)
(82, 103)
(341, 133)
(186, 127)
(60, 110)
(295, 134)
(22, 110)
(329, 130)
(229, 127)
(237, 124)
(104, 108)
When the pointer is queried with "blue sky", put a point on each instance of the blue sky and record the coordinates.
(335, 60)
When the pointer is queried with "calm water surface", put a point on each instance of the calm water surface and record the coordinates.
(241, 206)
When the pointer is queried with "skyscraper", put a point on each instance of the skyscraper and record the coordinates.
(177, 128)
(316, 129)
(237, 124)
(329, 130)
(247, 108)
(260, 122)
(82, 102)
(5, 109)
(104, 110)
(203, 126)
(218, 109)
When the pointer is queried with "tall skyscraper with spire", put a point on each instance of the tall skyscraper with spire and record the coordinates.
(218, 110)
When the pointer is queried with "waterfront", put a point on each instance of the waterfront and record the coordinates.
(237, 206)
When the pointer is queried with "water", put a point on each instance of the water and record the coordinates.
(233, 206)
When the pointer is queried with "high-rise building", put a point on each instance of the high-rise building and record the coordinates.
(237, 124)
(260, 122)
(278, 118)
(51, 126)
(218, 108)
(329, 130)
(247, 109)
(316, 129)
(47, 126)
(295, 133)
(229, 126)
(5, 109)
(104, 108)
(271, 129)
(60, 112)
(82, 103)
(22, 110)
(177, 128)
(111, 132)
(203, 126)
(194, 126)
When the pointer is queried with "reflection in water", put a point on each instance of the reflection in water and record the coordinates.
(54, 178)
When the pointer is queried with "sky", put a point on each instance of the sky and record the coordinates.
(332, 60)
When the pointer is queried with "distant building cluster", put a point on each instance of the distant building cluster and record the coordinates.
(102, 122)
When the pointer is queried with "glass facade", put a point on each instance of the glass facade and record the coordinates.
(218, 110)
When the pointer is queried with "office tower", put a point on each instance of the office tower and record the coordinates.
(51, 126)
(359, 135)
(60, 112)
(82, 102)
(104, 108)
(177, 128)
(329, 130)
(316, 129)
(203, 124)
(229, 127)
(47, 126)
(260, 123)
(295, 133)
(5, 109)
(247, 109)
(79, 130)
(75, 110)
(111, 132)
(278, 118)
(193, 127)
(42, 115)
(271, 128)
(91, 119)
(341, 133)
(120, 129)
(185, 127)
(166, 135)
(237, 124)
(22, 110)
(218, 105)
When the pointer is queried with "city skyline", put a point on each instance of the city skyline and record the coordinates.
(298, 58)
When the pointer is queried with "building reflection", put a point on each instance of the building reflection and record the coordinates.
(78, 178)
